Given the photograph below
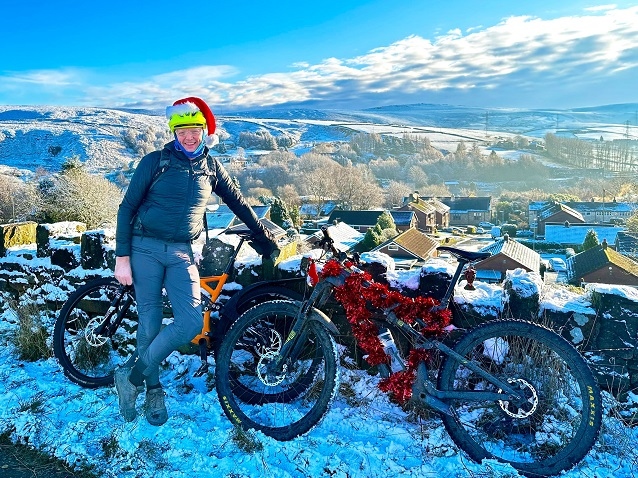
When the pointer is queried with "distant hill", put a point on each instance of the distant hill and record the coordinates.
(45, 136)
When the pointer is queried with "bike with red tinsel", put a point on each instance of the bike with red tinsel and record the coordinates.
(509, 390)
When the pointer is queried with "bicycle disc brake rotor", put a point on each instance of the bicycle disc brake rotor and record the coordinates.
(268, 378)
(532, 400)
(91, 337)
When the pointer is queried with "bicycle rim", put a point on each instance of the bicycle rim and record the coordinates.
(87, 357)
(557, 425)
(283, 405)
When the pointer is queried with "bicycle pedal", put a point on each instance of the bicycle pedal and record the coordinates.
(203, 370)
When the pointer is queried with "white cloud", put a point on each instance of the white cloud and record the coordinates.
(599, 8)
(512, 61)
(45, 78)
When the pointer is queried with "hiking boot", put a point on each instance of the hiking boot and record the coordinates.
(156, 413)
(126, 393)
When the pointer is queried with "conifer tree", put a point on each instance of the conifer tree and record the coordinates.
(279, 212)
(591, 240)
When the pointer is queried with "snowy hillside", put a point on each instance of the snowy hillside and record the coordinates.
(45, 136)
(32, 137)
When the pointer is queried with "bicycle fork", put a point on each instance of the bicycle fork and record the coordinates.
(296, 338)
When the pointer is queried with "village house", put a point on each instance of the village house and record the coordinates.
(468, 210)
(409, 248)
(364, 220)
(627, 244)
(590, 211)
(345, 237)
(507, 255)
(573, 235)
(601, 264)
(556, 213)
(424, 211)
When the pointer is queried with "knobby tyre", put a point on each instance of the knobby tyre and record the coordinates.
(286, 404)
(560, 421)
(87, 356)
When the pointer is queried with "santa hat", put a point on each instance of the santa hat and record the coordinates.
(193, 111)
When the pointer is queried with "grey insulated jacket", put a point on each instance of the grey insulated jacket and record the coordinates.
(172, 207)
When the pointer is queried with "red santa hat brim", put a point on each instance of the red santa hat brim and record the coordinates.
(192, 104)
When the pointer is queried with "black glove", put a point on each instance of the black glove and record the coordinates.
(265, 245)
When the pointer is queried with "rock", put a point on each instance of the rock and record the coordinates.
(16, 234)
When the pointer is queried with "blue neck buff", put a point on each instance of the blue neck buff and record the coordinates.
(189, 155)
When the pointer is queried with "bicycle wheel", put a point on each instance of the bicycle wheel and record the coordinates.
(89, 357)
(286, 405)
(557, 426)
(244, 301)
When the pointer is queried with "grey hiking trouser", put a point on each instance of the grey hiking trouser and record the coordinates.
(157, 264)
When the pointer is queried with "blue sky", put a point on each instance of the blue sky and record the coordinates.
(327, 54)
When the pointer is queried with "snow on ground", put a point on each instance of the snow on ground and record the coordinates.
(364, 434)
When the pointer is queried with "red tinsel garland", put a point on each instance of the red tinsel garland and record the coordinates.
(357, 294)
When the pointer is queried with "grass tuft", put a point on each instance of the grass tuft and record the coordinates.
(31, 336)
(245, 441)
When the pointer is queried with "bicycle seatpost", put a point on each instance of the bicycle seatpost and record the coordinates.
(231, 263)
(445, 301)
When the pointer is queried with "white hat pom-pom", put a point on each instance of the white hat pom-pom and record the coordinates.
(211, 140)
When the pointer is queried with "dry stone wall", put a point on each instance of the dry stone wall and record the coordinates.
(602, 324)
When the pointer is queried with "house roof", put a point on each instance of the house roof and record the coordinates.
(402, 218)
(356, 218)
(260, 210)
(413, 242)
(217, 220)
(516, 251)
(422, 206)
(344, 236)
(554, 208)
(588, 206)
(627, 243)
(466, 204)
(310, 209)
(274, 229)
(439, 206)
(537, 205)
(611, 206)
(597, 257)
(576, 233)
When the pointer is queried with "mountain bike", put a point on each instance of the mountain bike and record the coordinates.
(508, 389)
(95, 330)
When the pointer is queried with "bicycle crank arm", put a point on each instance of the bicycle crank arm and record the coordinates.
(203, 354)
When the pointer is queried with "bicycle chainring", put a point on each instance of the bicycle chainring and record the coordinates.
(532, 400)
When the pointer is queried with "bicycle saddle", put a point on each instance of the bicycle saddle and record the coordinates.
(463, 254)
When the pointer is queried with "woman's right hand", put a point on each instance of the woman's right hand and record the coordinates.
(123, 272)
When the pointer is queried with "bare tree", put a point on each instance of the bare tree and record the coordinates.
(289, 195)
(18, 200)
(395, 193)
(357, 189)
(76, 195)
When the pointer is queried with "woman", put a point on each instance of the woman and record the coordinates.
(160, 215)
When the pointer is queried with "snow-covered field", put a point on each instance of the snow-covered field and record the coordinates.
(364, 434)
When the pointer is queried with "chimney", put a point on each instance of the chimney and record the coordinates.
(604, 244)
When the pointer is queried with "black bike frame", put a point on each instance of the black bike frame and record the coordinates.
(423, 385)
